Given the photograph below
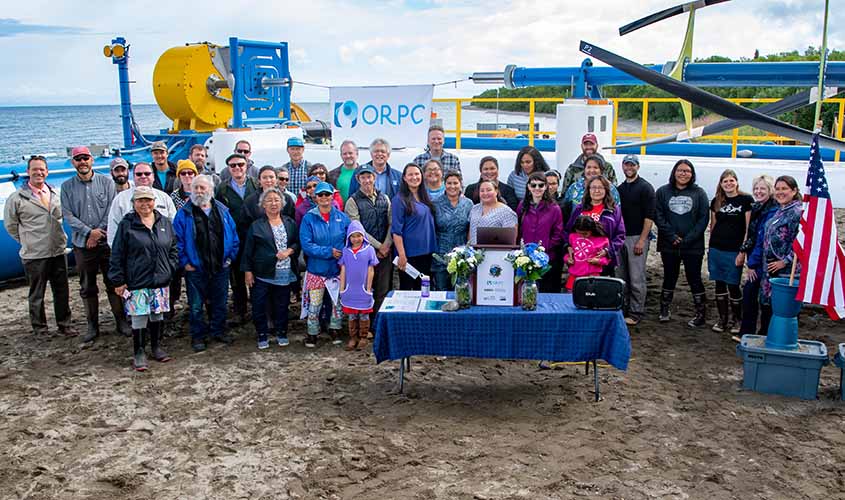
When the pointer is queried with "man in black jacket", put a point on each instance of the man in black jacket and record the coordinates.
(164, 170)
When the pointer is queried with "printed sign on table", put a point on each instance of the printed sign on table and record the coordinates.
(400, 114)
(494, 279)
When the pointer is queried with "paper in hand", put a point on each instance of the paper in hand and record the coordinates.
(409, 269)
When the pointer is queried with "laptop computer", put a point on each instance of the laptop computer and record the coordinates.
(499, 236)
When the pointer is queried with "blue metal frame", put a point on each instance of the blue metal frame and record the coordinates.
(252, 102)
(125, 99)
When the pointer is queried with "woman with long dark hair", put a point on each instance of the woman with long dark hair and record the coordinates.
(682, 214)
(413, 226)
(540, 221)
(730, 213)
(528, 160)
(780, 232)
(489, 211)
(599, 204)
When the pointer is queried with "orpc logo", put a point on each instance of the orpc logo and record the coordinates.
(346, 114)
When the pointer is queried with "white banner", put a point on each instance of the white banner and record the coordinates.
(400, 114)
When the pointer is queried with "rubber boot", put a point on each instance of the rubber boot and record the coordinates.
(158, 354)
(736, 315)
(765, 319)
(92, 314)
(353, 334)
(363, 328)
(722, 306)
(122, 326)
(139, 359)
(699, 301)
(666, 297)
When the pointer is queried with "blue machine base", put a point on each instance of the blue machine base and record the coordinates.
(793, 373)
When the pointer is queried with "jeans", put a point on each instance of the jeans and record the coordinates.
(632, 269)
(692, 270)
(38, 273)
(212, 289)
(279, 299)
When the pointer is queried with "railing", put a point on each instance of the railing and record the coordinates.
(644, 134)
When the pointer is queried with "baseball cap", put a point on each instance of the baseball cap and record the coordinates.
(186, 165)
(119, 162)
(324, 187)
(366, 169)
(158, 146)
(143, 192)
(80, 150)
(296, 141)
(631, 158)
(589, 138)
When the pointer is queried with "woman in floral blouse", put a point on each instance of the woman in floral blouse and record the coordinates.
(780, 231)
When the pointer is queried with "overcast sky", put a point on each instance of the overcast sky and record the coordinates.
(52, 50)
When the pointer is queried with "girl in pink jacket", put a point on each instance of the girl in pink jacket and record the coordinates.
(588, 250)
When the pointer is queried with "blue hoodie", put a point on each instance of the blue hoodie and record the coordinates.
(354, 295)
(318, 237)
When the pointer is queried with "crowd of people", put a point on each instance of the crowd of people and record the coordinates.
(300, 232)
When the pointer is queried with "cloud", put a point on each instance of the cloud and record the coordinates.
(13, 27)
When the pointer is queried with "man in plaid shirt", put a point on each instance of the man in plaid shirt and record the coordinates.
(436, 136)
(297, 167)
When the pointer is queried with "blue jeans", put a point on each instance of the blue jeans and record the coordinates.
(279, 297)
(212, 289)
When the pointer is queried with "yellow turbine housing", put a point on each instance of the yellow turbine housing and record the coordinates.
(181, 85)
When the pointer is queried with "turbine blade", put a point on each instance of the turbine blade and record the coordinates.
(666, 14)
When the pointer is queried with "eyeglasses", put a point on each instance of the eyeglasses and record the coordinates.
(237, 165)
(82, 158)
(243, 151)
(537, 185)
(310, 186)
(323, 193)
(284, 179)
(188, 172)
(143, 174)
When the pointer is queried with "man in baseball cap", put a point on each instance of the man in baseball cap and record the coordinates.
(589, 147)
(298, 166)
(164, 170)
(120, 174)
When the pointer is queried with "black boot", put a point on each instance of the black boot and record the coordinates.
(121, 325)
(666, 305)
(92, 313)
(699, 301)
(736, 315)
(722, 306)
(156, 351)
(139, 360)
(765, 319)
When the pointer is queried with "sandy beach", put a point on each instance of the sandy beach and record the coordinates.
(234, 422)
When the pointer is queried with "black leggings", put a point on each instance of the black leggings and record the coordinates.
(692, 269)
(723, 288)
(423, 264)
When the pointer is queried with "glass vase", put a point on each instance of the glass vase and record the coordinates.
(528, 295)
(463, 293)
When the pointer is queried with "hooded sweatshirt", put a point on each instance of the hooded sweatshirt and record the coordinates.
(357, 264)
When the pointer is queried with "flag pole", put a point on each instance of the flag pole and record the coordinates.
(817, 121)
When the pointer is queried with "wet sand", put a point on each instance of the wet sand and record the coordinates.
(234, 422)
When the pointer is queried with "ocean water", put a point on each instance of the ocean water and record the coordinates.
(32, 130)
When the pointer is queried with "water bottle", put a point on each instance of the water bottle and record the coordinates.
(425, 289)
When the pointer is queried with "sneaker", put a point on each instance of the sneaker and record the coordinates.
(310, 341)
(335, 335)
(263, 344)
(198, 346)
(282, 341)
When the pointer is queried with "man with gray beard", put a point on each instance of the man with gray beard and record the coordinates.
(207, 241)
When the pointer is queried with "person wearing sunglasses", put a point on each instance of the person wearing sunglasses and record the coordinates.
(309, 201)
(33, 218)
(233, 194)
(541, 221)
(244, 149)
(86, 199)
(322, 236)
(122, 205)
(320, 171)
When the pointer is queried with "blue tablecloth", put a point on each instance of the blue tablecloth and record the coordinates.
(555, 331)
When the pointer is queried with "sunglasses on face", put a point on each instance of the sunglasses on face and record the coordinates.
(243, 151)
(143, 174)
(189, 172)
(284, 179)
(537, 185)
(237, 165)
(81, 158)
(310, 186)
(320, 195)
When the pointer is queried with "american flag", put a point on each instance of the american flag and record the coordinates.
(817, 244)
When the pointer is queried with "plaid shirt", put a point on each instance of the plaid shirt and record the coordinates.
(298, 175)
(449, 161)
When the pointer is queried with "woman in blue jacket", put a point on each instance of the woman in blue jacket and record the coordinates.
(322, 236)
(762, 210)
(413, 227)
